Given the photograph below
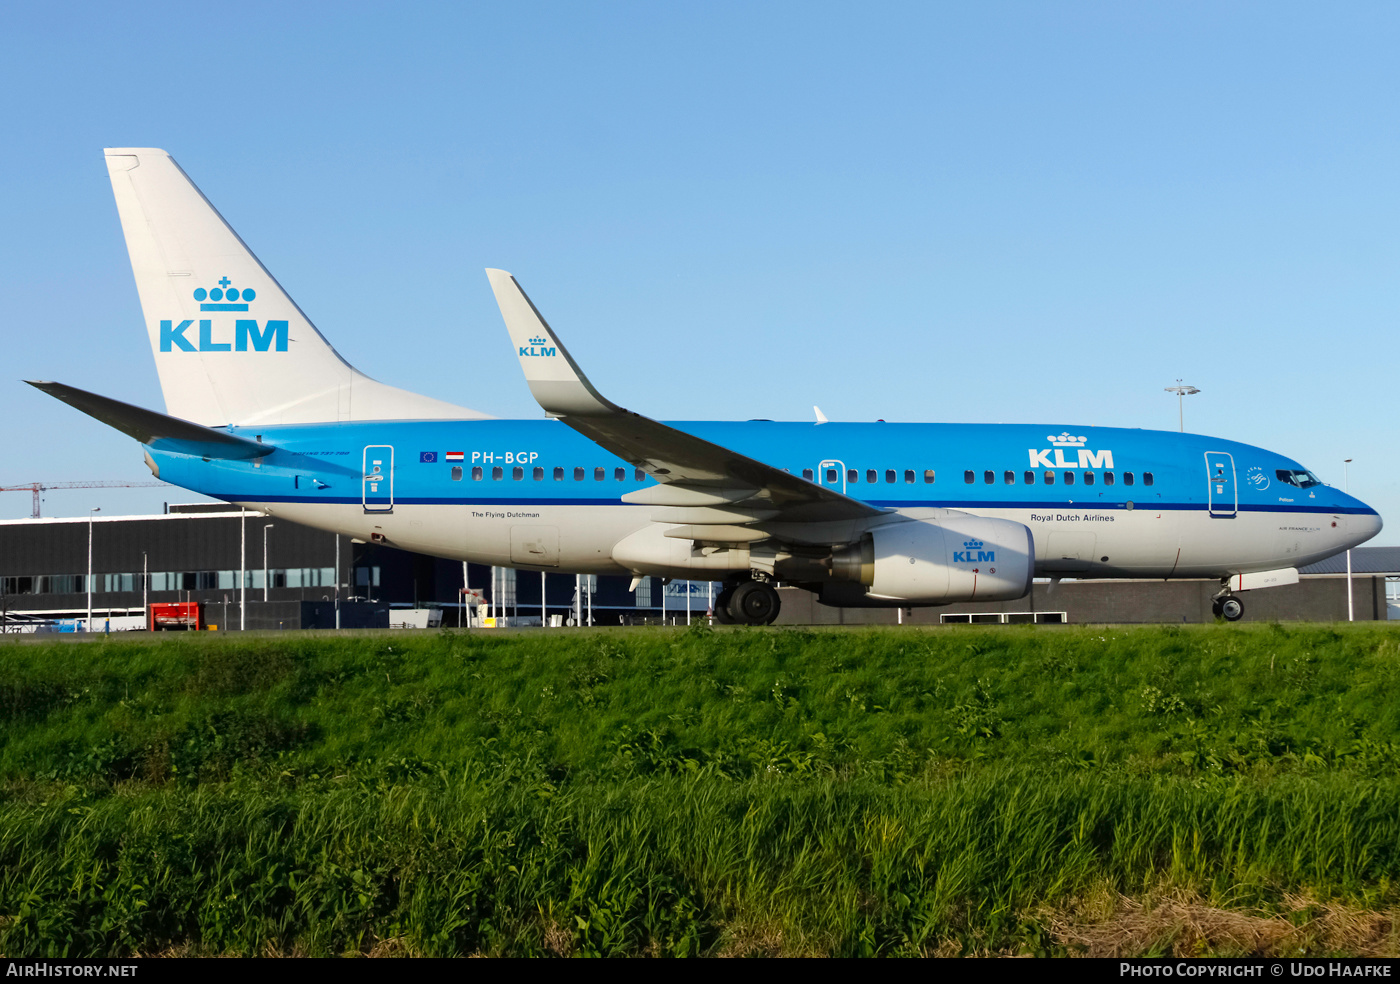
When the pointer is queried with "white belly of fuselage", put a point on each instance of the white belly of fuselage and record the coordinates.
(1085, 542)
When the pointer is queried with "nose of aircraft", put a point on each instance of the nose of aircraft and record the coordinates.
(1363, 522)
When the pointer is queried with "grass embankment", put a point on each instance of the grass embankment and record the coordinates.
(1221, 789)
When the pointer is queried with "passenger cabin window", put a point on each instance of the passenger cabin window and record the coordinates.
(619, 474)
(969, 477)
(1298, 479)
(559, 474)
(870, 475)
(578, 474)
(517, 474)
(496, 474)
(1049, 477)
(539, 474)
(1146, 478)
(1029, 477)
(908, 476)
(639, 475)
(1009, 477)
(456, 473)
(889, 476)
(1088, 478)
(1127, 478)
(476, 474)
(853, 476)
(1069, 478)
(1108, 478)
(928, 477)
(989, 477)
(807, 474)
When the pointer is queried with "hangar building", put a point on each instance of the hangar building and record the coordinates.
(214, 556)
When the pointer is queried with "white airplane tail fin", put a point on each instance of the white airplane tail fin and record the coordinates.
(231, 346)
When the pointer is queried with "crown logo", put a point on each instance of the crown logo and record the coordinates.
(1067, 440)
(539, 340)
(973, 544)
(224, 297)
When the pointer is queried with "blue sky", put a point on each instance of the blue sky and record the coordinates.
(933, 211)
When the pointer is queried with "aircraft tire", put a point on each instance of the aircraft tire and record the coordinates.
(721, 609)
(1232, 609)
(754, 603)
(722, 613)
(1215, 607)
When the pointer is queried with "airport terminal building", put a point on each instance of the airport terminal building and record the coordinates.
(245, 570)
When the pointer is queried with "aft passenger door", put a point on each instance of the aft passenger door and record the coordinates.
(1222, 495)
(377, 486)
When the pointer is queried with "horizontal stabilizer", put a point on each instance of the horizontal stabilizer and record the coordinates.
(155, 429)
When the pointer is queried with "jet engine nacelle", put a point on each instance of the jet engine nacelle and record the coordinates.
(957, 558)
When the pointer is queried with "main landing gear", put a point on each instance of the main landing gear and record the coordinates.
(747, 602)
(1228, 607)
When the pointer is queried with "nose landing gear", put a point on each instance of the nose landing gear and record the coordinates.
(1228, 607)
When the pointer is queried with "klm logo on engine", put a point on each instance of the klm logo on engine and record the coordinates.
(538, 346)
(270, 337)
(1084, 458)
(974, 554)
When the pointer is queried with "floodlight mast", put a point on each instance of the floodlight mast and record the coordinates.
(1181, 391)
(87, 626)
(1346, 487)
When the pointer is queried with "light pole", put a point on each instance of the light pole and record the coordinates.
(242, 568)
(1346, 487)
(337, 579)
(266, 527)
(87, 626)
(1181, 391)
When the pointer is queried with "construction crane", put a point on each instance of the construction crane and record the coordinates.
(38, 487)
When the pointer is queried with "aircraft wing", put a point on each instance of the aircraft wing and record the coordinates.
(708, 485)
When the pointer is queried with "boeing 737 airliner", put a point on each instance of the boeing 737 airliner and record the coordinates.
(262, 412)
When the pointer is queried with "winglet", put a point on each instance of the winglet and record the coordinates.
(821, 417)
(556, 381)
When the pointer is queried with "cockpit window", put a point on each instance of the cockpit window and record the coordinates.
(1301, 478)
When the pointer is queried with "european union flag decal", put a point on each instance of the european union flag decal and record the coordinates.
(427, 457)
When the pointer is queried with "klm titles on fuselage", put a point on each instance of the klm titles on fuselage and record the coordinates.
(246, 331)
(1083, 457)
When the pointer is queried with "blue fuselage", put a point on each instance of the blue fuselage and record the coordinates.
(1219, 507)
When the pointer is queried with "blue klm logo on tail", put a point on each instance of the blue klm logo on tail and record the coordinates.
(245, 330)
(218, 294)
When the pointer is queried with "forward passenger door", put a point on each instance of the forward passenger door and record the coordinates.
(1222, 495)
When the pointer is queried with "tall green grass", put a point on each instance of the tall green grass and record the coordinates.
(868, 792)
